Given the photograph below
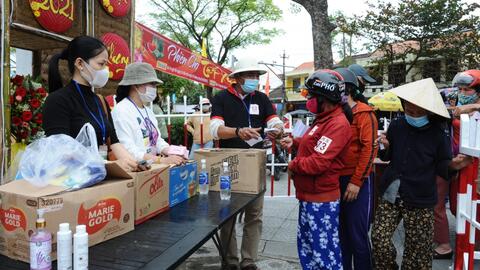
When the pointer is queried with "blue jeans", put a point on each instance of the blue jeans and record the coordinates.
(318, 237)
(197, 146)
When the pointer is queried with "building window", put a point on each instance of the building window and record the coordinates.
(397, 74)
(296, 83)
(432, 69)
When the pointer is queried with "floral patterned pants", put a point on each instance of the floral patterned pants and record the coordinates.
(418, 223)
(317, 236)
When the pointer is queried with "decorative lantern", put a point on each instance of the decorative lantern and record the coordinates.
(54, 15)
(116, 8)
(119, 55)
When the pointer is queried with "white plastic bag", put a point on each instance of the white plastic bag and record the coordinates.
(88, 138)
(61, 160)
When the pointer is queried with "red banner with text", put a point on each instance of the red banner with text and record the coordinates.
(170, 57)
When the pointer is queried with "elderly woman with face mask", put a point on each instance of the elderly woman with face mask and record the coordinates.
(136, 125)
(418, 148)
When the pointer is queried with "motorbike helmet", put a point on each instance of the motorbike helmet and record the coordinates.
(348, 76)
(469, 78)
(361, 72)
(326, 83)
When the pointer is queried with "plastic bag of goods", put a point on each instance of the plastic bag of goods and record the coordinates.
(61, 160)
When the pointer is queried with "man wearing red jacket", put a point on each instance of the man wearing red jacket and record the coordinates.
(316, 171)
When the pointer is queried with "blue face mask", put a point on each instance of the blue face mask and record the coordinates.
(417, 121)
(465, 100)
(250, 85)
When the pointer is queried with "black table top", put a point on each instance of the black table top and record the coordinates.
(165, 241)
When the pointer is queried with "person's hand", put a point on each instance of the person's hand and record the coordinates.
(173, 159)
(383, 140)
(469, 108)
(273, 135)
(351, 193)
(461, 161)
(249, 133)
(286, 143)
(127, 164)
(142, 167)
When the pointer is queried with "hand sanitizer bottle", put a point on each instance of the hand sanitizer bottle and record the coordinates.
(41, 245)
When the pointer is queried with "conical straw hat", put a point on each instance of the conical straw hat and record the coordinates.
(424, 94)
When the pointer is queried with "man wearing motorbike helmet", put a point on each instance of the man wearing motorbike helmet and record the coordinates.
(316, 170)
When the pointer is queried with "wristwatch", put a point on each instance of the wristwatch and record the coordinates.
(237, 131)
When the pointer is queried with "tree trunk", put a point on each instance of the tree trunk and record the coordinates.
(321, 30)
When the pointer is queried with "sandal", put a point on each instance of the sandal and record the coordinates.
(439, 256)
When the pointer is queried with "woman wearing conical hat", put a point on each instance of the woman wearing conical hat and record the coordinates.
(418, 148)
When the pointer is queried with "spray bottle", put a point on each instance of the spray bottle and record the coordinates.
(41, 245)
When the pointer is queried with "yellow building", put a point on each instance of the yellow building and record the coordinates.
(295, 79)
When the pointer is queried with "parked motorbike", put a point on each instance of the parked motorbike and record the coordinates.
(280, 157)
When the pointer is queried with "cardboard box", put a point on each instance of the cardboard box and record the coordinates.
(106, 208)
(247, 168)
(151, 192)
(183, 183)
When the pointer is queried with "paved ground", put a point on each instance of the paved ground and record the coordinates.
(278, 248)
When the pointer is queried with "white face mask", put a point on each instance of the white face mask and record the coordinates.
(149, 95)
(206, 108)
(96, 78)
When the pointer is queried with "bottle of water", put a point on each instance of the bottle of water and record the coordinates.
(203, 178)
(225, 183)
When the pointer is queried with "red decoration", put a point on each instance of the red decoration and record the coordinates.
(170, 57)
(54, 15)
(116, 8)
(119, 55)
(26, 99)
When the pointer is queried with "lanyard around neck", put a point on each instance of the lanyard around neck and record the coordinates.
(148, 124)
(248, 109)
(100, 121)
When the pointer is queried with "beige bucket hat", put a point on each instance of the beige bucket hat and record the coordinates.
(247, 65)
(139, 73)
(424, 94)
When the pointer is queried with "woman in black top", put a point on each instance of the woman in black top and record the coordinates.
(68, 108)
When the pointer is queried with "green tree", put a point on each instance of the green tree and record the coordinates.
(180, 87)
(345, 36)
(411, 31)
(225, 24)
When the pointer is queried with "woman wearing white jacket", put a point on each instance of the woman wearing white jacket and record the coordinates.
(135, 123)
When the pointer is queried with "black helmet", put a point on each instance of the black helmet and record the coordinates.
(326, 83)
(348, 76)
(361, 72)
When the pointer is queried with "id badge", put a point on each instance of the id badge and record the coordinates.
(103, 151)
(254, 109)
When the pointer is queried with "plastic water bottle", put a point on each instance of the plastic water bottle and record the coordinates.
(203, 178)
(225, 183)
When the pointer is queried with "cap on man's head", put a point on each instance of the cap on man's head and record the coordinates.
(246, 65)
(361, 72)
